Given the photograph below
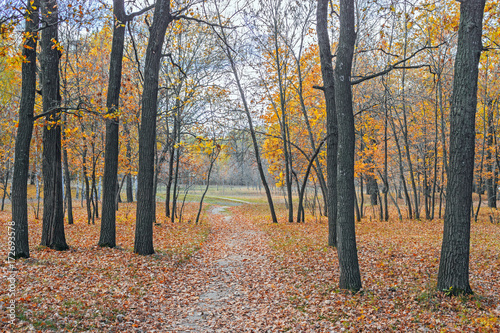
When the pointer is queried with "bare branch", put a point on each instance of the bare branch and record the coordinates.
(396, 65)
(131, 16)
(135, 52)
(169, 55)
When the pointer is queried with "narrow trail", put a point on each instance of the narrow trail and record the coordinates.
(221, 294)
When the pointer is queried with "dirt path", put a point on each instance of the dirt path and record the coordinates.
(227, 280)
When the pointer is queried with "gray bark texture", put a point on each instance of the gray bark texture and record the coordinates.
(147, 134)
(331, 117)
(108, 222)
(53, 214)
(24, 133)
(453, 276)
(350, 278)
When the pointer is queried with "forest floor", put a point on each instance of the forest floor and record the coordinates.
(238, 272)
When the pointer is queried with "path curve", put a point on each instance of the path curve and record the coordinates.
(222, 295)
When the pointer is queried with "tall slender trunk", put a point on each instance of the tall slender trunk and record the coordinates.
(480, 182)
(453, 273)
(490, 162)
(350, 277)
(171, 161)
(176, 177)
(5, 184)
(300, 213)
(319, 169)
(405, 126)
(212, 161)
(53, 215)
(385, 177)
(24, 132)
(284, 126)
(67, 178)
(147, 134)
(325, 53)
(130, 190)
(107, 236)
(246, 108)
(436, 139)
(401, 170)
(87, 186)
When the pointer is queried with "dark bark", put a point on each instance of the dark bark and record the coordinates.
(416, 209)
(171, 161)
(318, 169)
(385, 177)
(53, 214)
(213, 157)
(453, 276)
(108, 223)
(94, 196)
(130, 192)
(24, 133)
(350, 277)
(67, 183)
(280, 63)
(331, 117)
(5, 184)
(176, 177)
(300, 212)
(147, 134)
(372, 189)
(401, 170)
(87, 186)
(490, 162)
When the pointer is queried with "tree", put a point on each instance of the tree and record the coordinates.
(108, 221)
(109, 202)
(346, 237)
(212, 149)
(53, 214)
(453, 273)
(331, 115)
(24, 131)
(228, 50)
(147, 134)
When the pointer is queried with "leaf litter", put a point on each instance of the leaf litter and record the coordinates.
(237, 272)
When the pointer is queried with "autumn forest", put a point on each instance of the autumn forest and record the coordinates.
(250, 165)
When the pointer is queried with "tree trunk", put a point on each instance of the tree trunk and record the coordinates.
(490, 162)
(401, 170)
(416, 209)
(331, 117)
(53, 215)
(212, 161)
(147, 134)
(350, 278)
(229, 55)
(87, 186)
(108, 223)
(300, 211)
(176, 177)
(453, 276)
(5, 184)
(24, 133)
(319, 169)
(284, 123)
(372, 188)
(171, 168)
(130, 190)
(67, 183)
